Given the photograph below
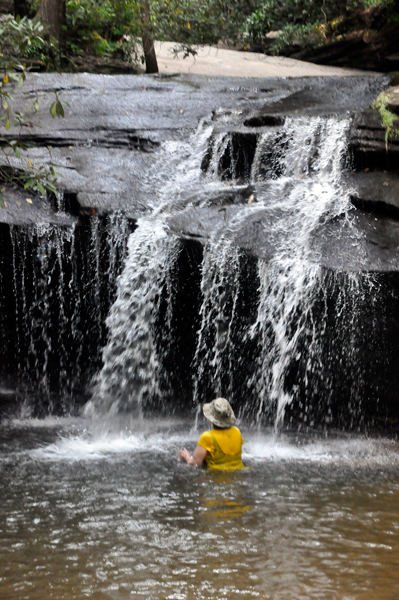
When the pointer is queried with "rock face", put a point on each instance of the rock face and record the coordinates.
(109, 151)
(107, 148)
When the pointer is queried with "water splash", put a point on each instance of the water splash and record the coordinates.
(131, 370)
(220, 288)
(302, 166)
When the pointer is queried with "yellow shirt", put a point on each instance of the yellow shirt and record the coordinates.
(223, 448)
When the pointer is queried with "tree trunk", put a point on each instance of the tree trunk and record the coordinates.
(151, 65)
(52, 15)
(23, 8)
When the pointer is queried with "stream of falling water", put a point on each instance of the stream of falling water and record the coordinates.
(303, 189)
(52, 307)
(297, 173)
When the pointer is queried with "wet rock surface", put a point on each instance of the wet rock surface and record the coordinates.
(108, 147)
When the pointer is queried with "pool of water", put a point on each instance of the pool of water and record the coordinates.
(107, 511)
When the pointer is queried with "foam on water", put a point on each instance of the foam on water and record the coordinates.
(79, 440)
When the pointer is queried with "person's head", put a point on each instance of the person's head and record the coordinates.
(219, 413)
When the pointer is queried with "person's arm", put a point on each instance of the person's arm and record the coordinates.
(196, 459)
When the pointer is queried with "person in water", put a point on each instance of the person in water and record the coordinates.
(219, 448)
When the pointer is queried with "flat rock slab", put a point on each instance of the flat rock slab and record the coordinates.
(112, 146)
(211, 60)
(29, 208)
(108, 147)
(360, 242)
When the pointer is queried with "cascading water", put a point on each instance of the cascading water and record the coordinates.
(49, 355)
(296, 172)
(41, 301)
(291, 281)
(131, 369)
(131, 372)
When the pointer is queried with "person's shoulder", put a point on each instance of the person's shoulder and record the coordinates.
(205, 439)
(235, 429)
(237, 432)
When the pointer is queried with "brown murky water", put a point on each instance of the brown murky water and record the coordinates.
(116, 516)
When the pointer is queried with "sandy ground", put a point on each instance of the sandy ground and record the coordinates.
(215, 61)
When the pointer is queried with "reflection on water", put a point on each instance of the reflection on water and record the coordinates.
(110, 516)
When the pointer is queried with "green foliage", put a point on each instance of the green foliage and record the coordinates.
(308, 36)
(102, 27)
(307, 22)
(275, 15)
(21, 40)
(111, 27)
(199, 21)
(18, 38)
(389, 119)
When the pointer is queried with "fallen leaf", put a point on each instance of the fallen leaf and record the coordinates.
(250, 198)
(366, 170)
(29, 200)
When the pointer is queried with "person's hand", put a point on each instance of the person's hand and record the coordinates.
(184, 455)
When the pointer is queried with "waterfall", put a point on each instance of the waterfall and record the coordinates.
(291, 281)
(296, 172)
(131, 370)
(131, 374)
(60, 296)
(301, 165)
(41, 260)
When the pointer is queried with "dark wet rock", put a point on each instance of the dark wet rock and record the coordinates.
(361, 242)
(27, 207)
(392, 95)
(264, 120)
(368, 146)
(109, 146)
(375, 192)
(109, 143)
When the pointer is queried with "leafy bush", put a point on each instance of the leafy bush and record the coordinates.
(389, 120)
(310, 22)
(109, 27)
(200, 21)
(101, 27)
(20, 39)
(275, 15)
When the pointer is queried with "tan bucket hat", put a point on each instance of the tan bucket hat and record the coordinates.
(219, 412)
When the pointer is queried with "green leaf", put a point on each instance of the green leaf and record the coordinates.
(36, 105)
(8, 124)
(53, 109)
(17, 151)
(59, 109)
(41, 188)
